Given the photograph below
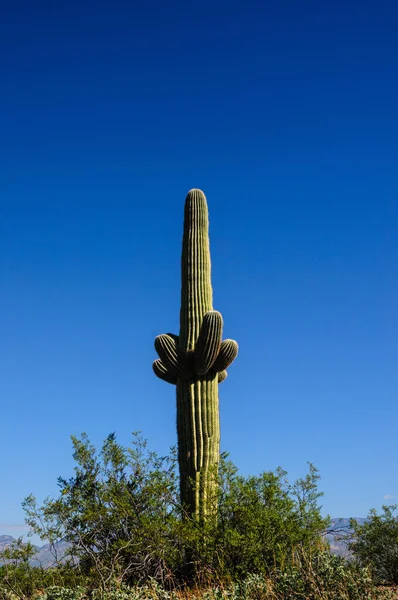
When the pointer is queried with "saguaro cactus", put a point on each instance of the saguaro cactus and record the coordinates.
(196, 361)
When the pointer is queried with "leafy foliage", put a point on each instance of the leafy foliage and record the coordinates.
(116, 512)
(15, 571)
(129, 537)
(120, 513)
(376, 543)
(324, 577)
(262, 521)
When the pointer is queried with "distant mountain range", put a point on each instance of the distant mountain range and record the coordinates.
(44, 557)
(5, 540)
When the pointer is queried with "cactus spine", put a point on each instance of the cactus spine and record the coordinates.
(196, 362)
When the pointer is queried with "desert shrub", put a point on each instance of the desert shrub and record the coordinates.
(117, 513)
(375, 544)
(20, 577)
(324, 576)
(120, 515)
(261, 522)
(63, 593)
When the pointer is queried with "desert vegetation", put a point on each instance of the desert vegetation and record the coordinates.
(131, 524)
(128, 537)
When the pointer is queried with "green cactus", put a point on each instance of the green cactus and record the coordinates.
(196, 362)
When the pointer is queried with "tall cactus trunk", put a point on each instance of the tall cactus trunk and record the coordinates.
(198, 430)
(196, 362)
(196, 289)
(197, 402)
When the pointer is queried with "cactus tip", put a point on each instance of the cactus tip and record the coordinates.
(196, 192)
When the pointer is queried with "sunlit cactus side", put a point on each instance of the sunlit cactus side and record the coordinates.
(196, 361)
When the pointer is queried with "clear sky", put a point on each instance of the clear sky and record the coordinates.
(285, 114)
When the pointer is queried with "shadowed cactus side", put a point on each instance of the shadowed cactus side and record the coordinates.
(196, 362)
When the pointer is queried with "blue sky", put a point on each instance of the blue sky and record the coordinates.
(284, 113)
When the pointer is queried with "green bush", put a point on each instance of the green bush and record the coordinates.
(320, 577)
(120, 513)
(130, 539)
(117, 513)
(262, 521)
(61, 593)
(376, 544)
(323, 576)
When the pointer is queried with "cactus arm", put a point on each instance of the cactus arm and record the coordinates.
(176, 361)
(227, 354)
(209, 342)
(162, 372)
(222, 376)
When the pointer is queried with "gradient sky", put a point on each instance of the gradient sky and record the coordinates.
(285, 114)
